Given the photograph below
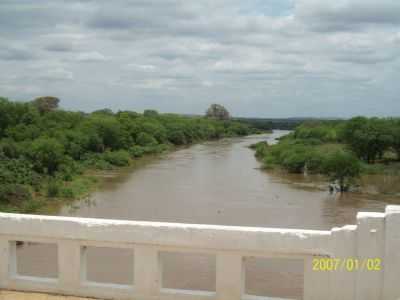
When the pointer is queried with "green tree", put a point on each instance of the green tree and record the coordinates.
(46, 103)
(155, 129)
(104, 111)
(177, 137)
(109, 130)
(151, 113)
(145, 139)
(15, 113)
(395, 133)
(46, 154)
(342, 167)
(42, 148)
(217, 111)
(367, 138)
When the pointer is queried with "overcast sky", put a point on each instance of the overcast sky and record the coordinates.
(261, 58)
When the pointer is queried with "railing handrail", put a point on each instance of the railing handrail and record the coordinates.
(375, 237)
(199, 236)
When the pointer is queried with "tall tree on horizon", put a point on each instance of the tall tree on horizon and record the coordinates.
(217, 111)
(46, 103)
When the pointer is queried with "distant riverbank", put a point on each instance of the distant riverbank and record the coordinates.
(358, 155)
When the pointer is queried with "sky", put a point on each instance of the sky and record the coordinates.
(258, 58)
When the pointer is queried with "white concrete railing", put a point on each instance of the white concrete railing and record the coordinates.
(377, 235)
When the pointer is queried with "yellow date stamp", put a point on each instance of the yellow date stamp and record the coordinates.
(328, 264)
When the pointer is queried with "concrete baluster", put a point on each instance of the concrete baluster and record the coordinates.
(370, 250)
(4, 262)
(391, 264)
(147, 271)
(316, 282)
(230, 276)
(343, 281)
(70, 267)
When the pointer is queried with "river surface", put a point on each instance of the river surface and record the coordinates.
(218, 182)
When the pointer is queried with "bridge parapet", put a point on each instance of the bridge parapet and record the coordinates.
(375, 238)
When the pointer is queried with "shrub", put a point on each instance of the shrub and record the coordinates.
(295, 162)
(261, 148)
(17, 171)
(47, 154)
(69, 168)
(150, 113)
(78, 187)
(118, 158)
(145, 139)
(177, 137)
(342, 166)
(315, 162)
(96, 161)
(136, 151)
(67, 192)
(53, 188)
(14, 193)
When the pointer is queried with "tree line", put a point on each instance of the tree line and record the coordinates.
(44, 150)
(342, 149)
(268, 124)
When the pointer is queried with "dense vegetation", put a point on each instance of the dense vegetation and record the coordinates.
(341, 150)
(270, 124)
(44, 150)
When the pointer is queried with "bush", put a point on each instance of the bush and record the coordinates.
(79, 187)
(136, 151)
(53, 188)
(47, 154)
(342, 166)
(177, 137)
(67, 192)
(315, 162)
(295, 162)
(150, 113)
(18, 171)
(68, 169)
(45, 151)
(96, 161)
(9, 148)
(14, 194)
(261, 148)
(145, 139)
(119, 158)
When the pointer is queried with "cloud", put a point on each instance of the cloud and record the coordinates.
(91, 57)
(141, 68)
(15, 53)
(59, 47)
(344, 15)
(261, 58)
(59, 74)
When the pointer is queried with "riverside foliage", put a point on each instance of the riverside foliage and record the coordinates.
(341, 150)
(44, 150)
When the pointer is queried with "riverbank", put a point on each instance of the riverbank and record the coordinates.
(48, 154)
(327, 150)
(50, 199)
(90, 181)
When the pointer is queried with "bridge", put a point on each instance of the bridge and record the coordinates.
(375, 238)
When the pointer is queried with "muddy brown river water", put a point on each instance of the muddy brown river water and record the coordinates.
(218, 182)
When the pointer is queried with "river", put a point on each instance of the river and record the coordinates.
(217, 182)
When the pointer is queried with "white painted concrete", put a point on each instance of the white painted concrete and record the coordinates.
(391, 278)
(376, 235)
